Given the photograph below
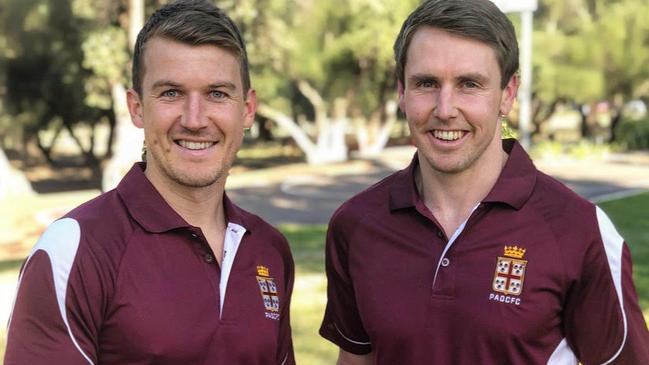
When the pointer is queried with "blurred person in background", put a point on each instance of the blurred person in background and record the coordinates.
(470, 255)
(165, 269)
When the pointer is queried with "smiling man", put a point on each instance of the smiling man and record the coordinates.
(470, 255)
(165, 269)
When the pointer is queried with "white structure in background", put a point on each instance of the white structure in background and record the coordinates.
(128, 139)
(12, 181)
(526, 8)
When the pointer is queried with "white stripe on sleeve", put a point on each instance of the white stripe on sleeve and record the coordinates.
(60, 242)
(613, 244)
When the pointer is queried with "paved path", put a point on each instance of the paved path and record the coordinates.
(302, 194)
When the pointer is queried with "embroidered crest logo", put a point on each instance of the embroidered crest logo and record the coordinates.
(510, 271)
(268, 290)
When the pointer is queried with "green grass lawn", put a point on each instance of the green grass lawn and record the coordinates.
(630, 215)
(309, 295)
(631, 218)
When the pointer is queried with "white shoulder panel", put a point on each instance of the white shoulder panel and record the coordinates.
(613, 244)
(60, 242)
(563, 355)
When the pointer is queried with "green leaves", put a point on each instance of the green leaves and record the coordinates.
(587, 51)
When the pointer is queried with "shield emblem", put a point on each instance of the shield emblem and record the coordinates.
(267, 302)
(271, 285)
(262, 284)
(509, 276)
(275, 306)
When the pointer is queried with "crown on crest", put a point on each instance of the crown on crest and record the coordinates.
(514, 252)
(262, 271)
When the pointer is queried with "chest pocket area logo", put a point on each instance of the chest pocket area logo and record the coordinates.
(268, 289)
(509, 276)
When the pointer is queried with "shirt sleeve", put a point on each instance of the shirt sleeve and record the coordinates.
(604, 323)
(285, 355)
(57, 311)
(342, 323)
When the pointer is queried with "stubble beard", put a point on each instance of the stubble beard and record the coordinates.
(184, 178)
(456, 164)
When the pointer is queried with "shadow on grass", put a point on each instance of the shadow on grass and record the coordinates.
(631, 218)
(10, 265)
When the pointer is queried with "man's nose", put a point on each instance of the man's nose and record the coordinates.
(194, 114)
(445, 107)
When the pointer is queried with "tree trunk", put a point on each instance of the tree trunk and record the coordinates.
(127, 144)
(330, 146)
(372, 137)
(127, 139)
(12, 181)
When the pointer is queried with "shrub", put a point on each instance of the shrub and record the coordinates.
(633, 134)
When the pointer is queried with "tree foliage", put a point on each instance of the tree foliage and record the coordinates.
(52, 71)
(323, 70)
(326, 66)
(587, 51)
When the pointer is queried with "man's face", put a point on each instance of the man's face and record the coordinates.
(193, 111)
(452, 99)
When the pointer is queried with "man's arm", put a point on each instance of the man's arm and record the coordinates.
(603, 321)
(347, 358)
(342, 322)
(286, 354)
(55, 317)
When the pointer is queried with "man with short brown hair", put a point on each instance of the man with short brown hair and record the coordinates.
(471, 255)
(165, 269)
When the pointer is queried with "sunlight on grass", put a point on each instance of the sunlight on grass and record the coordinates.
(631, 218)
(309, 300)
(309, 294)
(3, 341)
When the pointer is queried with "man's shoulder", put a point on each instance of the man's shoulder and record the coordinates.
(373, 200)
(553, 193)
(94, 234)
(102, 220)
(570, 216)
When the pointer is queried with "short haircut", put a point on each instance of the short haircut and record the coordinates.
(193, 22)
(480, 20)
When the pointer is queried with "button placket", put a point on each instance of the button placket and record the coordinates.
(209, 258)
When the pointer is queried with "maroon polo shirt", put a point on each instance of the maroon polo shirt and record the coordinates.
(537, 275)
(123, 279)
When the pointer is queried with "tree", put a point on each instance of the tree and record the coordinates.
(590, 50)
(336, 67)
(47, 83)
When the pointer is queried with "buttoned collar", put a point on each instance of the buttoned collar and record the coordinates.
(513, 187)
(147, 207)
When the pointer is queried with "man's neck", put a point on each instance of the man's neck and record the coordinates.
(200, 207)
(452, 197)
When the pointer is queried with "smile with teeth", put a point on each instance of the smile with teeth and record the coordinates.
(190, 145)
(448, 135)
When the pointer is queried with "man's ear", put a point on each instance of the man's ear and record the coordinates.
(400, 93)
(135, 108)
(509, 94)
(251, 108)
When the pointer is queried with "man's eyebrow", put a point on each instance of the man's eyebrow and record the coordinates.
(476, 76)
(421, 77)
(225, 84)
(165, 83)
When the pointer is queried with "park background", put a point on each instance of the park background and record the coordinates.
(327, 123)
